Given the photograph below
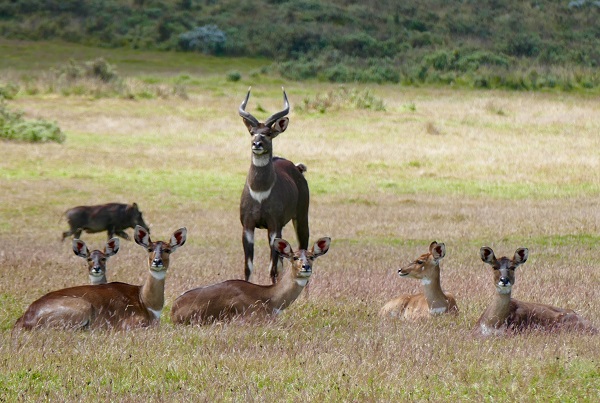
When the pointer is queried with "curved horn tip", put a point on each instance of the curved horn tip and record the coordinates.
(245, 101)
(285, 98)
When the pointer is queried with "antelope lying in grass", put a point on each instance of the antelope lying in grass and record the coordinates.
(433, 300)
(96, 259)
(506, 315)
(275, 191)
(232, 298)
(112, 305)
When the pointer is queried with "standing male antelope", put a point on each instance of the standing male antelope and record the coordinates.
(275, 191)
(112, 305)
(226, 300)
(96, 259)
(506, 315)
(433, 301)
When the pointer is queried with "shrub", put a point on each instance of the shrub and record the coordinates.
(14, 127)
(208, 39)
(101, 69)
(342, 98)
(8, 91)
(98, 69)
(234, 76)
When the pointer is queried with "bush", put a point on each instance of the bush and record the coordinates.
(8, 91)
(14, 127)
(234, 76)
(208, 39)
(98, 69)
(342, 98)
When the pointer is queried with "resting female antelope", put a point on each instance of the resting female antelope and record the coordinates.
(433, 301)
(506, 315)
(112, 305)
(96, 259)
(226, 300)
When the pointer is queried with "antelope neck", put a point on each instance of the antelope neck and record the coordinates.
(152, 294)
(286, 290)
(261, 177)
(97, 280)
(498, 310)
(261, 180)
(432, 289)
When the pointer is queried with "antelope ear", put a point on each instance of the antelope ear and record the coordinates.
(80, 248)
(279, 126)
(141, 236)
(487, 255)
(112, 247)
(178, 238)
(321, 246)
(249, 125)
(438, 251)
(283, 247)
(521, 256)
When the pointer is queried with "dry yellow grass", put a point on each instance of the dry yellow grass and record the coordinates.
(503, 169)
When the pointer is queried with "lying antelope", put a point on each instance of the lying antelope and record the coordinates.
(232, 298)
(433, 300)
(96, 259)
(275, 191)
(506, 315)
(112, 305)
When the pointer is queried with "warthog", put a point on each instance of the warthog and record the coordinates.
(110, 217)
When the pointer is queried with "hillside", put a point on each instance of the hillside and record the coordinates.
(491, 43)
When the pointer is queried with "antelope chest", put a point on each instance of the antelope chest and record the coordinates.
(260, 196)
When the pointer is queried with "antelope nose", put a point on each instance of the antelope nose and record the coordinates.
(504, 281)
(157, 262)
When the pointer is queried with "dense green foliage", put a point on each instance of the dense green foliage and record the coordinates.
(488, 43)
(14, 127)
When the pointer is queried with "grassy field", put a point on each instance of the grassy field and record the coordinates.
(462, 167)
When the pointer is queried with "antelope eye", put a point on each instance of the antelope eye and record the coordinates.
(167, 251)
(420, 262)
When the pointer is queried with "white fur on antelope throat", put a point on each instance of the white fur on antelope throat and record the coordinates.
(261, 160)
